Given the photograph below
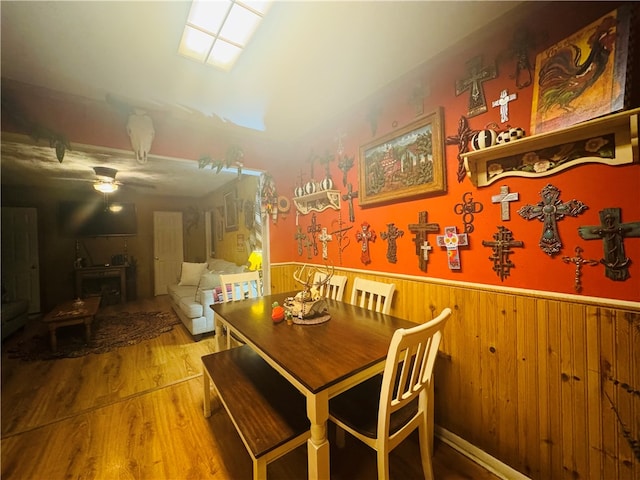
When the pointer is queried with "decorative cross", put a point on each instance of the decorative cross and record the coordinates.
(476, 75)
(324, 238)
(465, 134)
(308, 243)
(612, 232)
(314, 229)
(421, 230)
(345, 164)
(502, 243)
(579, 262)
(503, 103)
(350, 195)
(503, 198)
(340, 235)
(521, 43)
(549, 211)
(451, 240)
(365, 235)
(417, 98)
(392, 234)
(300, 236)
(467, 208)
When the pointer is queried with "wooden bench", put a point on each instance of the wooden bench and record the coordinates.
(267, 411)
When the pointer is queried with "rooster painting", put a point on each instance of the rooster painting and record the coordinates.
(567, 74)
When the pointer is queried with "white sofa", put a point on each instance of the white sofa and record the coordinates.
(197, 289)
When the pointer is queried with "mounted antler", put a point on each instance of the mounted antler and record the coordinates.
(312, 287)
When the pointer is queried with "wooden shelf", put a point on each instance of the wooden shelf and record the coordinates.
(318, 202)
(549, 153)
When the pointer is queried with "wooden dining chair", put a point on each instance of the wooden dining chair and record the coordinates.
(372, 295)
(237, 286)
(384, 410)
(334, 288)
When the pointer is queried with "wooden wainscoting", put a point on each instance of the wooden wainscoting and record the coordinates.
(547, 384)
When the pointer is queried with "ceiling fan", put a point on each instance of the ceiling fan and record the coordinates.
(106, 180)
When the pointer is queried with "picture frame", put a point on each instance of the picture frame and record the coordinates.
(406, 163)
(230, 211)
(584, 76)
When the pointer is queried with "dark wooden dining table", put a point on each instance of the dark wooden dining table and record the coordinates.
(320, 360)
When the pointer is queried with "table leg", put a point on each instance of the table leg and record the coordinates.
(318, 444)
(207, 392)
(87, 329)
(54, 340)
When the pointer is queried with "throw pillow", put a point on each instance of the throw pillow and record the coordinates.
(191, 273)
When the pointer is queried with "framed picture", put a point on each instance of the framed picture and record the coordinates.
(230, 211)
(583, 76)
(406, 163)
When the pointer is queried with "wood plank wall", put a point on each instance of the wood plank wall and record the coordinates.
(545, 384)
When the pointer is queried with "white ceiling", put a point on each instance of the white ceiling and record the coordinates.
(309, 60)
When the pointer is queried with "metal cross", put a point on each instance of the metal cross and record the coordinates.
(476, 75)
(309, 244)
(345, 164)
(578, 261)
(465, 134)
(421, 230)
(612, 232)
(467, 208)
(503, 198)
(324, 238)
(502, 243)
(340, 235)
(350, 195)
(503, 103)
(392, 234)
(549, 211)
(451, 240)
(365, 235)
(314, 229)
(300, 236)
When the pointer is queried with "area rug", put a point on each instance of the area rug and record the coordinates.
(108, 332)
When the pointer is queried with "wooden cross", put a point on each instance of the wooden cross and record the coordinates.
(502, 243)
(350, 195)
(476, 75)
(365, 235)
(421, 230)
(549, 211)
(503, 198)
(324, 238)
(503, 103)
(300, 236)
(451, 240)
(612, 233)
(467, 208)
(465, 134)
(579, 262)
(392, 234)
(314, 229)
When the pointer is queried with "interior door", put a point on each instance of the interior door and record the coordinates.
(20, 260)
(168, 250)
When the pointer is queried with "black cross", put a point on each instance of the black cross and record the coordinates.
(476, 75)
(578, 261)
(314, 229)
(502, 243)
(465, 134)
(421, 230)
(350, 195)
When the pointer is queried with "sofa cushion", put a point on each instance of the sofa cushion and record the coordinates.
(177, 292)
(191, 272)
(190, 307)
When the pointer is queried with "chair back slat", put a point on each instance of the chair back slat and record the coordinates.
(238, 286)
(372, 295)
(334, 288)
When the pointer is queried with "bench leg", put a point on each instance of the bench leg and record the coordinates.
(206, 382)
(259, 469)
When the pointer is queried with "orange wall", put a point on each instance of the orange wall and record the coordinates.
(598, 186)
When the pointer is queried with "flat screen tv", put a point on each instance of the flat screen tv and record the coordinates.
(97, 219)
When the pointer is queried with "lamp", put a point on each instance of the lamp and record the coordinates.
(255, 260)
(105, 187)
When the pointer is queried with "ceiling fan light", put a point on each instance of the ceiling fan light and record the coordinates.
(105, 187)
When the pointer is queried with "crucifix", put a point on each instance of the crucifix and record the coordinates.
(314, 229)
(503, 198)
(300, 236)
(549, 211)
(451, 241)
(476, 75)
(578, 261)
(467, 208)
(421, 230)
(345, 164)
(324, 238)
(365, 235)
(340, 235)
(502, 243)
(503, 103)
(350, 195)
(465, 134)
(612, 232)
(392, 234)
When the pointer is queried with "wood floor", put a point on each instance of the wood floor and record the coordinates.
(136, 413)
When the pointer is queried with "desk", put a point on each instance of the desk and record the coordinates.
(321, 361)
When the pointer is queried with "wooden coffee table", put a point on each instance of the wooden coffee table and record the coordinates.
(72, 312)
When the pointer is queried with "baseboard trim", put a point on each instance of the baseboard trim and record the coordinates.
(480, 457)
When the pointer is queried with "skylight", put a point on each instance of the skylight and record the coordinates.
(218, 30)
